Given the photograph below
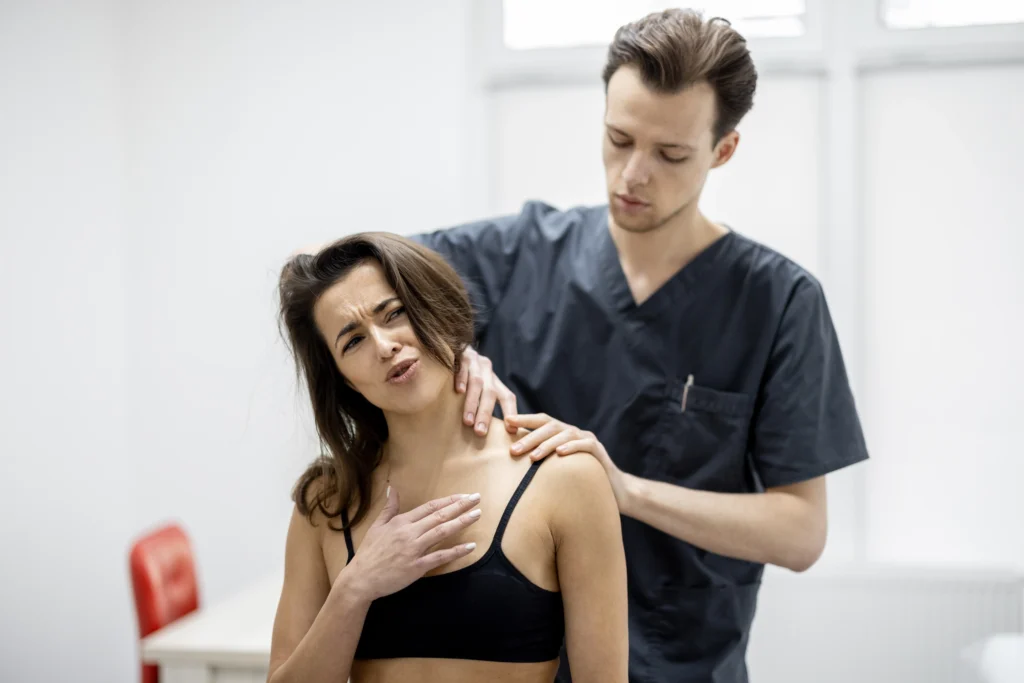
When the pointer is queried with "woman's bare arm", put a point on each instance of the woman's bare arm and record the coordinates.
(317, 626)
(591, 571)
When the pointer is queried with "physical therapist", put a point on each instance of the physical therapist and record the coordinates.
(700, 367)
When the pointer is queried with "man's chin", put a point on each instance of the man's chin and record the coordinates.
(632, 223)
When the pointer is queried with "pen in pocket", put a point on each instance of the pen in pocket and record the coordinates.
(686, 390)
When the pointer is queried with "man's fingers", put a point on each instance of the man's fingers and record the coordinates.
(474, 387)
(549, 445)
(462, 379)
(536, 437)
(576, 446)
(531, 420)
(441, 557)
(486, 410)
(508, 405)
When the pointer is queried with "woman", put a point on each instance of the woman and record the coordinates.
(417, 550)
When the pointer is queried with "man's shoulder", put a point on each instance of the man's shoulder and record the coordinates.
(536, 220)
(553, 223)
(768, 270)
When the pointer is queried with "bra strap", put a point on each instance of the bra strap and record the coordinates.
(500, 532)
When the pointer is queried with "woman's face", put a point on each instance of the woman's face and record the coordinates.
(374, 345)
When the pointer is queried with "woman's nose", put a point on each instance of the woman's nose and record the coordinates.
(386, 346)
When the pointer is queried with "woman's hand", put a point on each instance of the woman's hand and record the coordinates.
(483, 389)
(394, 552)
(548, 435)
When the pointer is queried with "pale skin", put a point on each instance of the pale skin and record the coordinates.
(657, 150)
(423, 524)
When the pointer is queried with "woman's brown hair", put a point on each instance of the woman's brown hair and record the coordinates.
(352, 431)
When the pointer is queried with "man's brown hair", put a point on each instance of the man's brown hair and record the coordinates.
(677, 48)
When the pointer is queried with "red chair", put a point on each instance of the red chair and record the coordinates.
(164, 582)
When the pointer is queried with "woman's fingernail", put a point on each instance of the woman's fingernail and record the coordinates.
(470, 546)
(462, 387)
(475, 513)
(517, 447)
(469, 418)
(474, 498)
(480, 426)
(535, 454)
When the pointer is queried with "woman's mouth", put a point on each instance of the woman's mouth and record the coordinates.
(403, 372)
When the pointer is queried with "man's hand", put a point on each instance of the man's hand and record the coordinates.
(548, 435)
(483, 389)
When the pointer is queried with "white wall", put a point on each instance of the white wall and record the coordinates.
(943, 171)
(68, 490)
(255, 129)
(170, 156)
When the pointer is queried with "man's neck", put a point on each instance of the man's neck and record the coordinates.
(419, 443)
(649, 259)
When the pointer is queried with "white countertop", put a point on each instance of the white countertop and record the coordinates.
(232, 633)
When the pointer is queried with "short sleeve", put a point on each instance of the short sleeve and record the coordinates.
(484, 253)
(805, 422)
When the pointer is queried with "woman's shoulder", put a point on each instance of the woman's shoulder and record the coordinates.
(579, 473)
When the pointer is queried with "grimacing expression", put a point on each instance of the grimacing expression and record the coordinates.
(374, 345)
(658, 149)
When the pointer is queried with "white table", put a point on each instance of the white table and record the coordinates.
(228, 642)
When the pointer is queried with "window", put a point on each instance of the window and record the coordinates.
(910, 14)
(533, 24)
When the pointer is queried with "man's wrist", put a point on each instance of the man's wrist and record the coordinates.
(635, 490)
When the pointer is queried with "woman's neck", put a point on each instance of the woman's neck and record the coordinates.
(419, 443)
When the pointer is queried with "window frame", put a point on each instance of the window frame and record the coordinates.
(871, 45)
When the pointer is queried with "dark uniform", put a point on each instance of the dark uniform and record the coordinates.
(728, 378)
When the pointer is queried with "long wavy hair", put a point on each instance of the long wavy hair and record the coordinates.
(351, 430)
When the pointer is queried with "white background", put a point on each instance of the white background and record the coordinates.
(158, 161)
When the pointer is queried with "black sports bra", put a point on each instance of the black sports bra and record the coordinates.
(486, 611)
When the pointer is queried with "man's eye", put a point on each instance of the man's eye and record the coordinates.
(618, 143)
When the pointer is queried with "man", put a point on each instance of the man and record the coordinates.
(705, 365)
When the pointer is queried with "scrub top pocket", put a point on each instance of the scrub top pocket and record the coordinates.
(704, 442)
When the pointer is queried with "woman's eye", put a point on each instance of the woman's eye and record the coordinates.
(351, 343)
(395, 313)
(618, 143)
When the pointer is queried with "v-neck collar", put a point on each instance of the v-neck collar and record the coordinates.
(682, 283)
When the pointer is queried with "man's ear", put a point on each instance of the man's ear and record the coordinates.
(725, 148)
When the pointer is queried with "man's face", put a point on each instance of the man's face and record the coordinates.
(658, 150)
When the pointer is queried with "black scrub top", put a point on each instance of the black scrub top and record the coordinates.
(769, 402)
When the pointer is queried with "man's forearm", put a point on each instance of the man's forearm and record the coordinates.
(779, 526)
